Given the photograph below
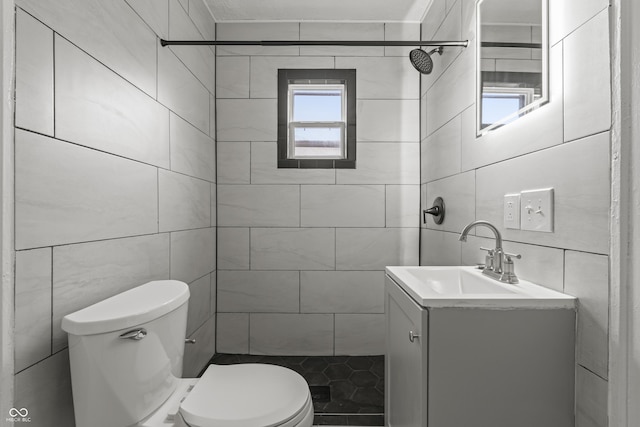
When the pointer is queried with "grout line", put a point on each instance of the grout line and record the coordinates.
(51, 317)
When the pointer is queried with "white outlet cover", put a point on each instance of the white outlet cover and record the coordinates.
(512, 211)
(536, 210)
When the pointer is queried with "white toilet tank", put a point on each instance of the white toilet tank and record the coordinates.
(126, 353)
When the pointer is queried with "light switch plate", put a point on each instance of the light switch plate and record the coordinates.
(512, 211)
(536, 209)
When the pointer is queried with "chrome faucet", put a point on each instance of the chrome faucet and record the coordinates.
(498, 264)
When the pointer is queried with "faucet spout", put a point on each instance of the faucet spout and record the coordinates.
(481, 223)
(498, 264)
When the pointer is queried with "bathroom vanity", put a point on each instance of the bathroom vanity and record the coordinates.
(466, 350)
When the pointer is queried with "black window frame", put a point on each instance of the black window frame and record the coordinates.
(316, 76)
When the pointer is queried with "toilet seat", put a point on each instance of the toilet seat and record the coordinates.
(247, 395)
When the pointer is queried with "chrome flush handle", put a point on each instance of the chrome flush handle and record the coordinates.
(412, 336)
(134, 334)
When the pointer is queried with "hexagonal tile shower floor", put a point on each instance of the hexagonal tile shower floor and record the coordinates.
(346, 390)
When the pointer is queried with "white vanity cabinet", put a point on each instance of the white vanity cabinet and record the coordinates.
(466, 366)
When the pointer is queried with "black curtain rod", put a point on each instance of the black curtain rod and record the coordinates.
(516, 45)
(463, 43)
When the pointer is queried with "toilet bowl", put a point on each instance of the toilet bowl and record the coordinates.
(126, 356)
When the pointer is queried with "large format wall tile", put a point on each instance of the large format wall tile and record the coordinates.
(341, 31)
(341, 292)
(199, 303)
(185, 202)
(458, 193)
(400, 31)
(259, 205)
(197, 356)
(578, 172)
(258, 31)
(34, 75)
(259, 291)
(439, 248)
(587, 111)
(291, 334)
(117, 36)
(233, 333)
(234, 162)
(202, 19)
(232, 77)
(402, 206)
(450, 29)
(440, 154)
(359, 334)
(247, 120)
(388, 120)
(264, 168)
(264, 71)
(181, 91)
(199, 59)
(292, 249)
(192, 152)
(193, 254)
(587, 278)
(342, 206)
(87, 273)
(97, 108)
(539, 264)
(68, 194)
(384, 163)
(591, 399)
(453, 92)
(32, 307)
(233, 248)
(375, 248)
(155, 13)
(567, 15)
(45, 390)
(433, 19)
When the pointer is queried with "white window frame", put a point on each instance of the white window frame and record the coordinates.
(292, 125)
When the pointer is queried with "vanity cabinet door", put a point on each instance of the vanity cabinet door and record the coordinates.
(405, 370)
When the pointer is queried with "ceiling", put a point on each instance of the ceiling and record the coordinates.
(318, 10)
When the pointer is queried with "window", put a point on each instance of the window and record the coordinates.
(503, 105)
(316, 119)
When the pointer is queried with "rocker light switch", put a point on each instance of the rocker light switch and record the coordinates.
(536, 209)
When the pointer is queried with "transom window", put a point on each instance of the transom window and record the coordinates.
(316, 119)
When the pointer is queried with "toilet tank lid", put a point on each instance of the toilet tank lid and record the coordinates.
(130, 308)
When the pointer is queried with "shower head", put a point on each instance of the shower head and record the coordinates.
(422, 61)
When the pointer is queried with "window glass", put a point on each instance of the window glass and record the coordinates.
(310, 105)
(319, 142)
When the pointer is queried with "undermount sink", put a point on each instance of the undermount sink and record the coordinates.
(468, 287)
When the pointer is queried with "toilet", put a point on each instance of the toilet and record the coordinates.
(126, 356)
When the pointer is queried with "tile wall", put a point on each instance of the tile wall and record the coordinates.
(115, 175)
(564, 145)
(301, 253)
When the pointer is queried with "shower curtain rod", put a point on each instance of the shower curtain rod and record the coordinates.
(516, 45)
(163, 42)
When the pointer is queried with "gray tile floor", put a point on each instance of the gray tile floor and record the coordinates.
(355, 385)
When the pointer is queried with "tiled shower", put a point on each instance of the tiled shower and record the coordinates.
(301, 253)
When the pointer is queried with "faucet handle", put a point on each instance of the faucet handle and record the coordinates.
(487, 249)
(508, 256)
